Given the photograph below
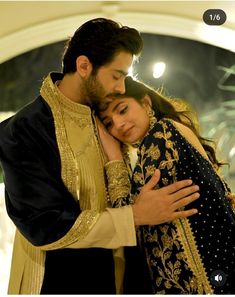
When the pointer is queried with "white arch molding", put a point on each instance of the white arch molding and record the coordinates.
(57, 30)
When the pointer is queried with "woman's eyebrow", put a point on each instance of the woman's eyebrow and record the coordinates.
(114, 108)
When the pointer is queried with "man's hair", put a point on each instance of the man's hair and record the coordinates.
(100, 40)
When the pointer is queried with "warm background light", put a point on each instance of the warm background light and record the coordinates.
(158, 69)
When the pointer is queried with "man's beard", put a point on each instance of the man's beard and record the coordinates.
(92, 92)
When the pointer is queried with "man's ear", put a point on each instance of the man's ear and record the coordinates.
(84, 66)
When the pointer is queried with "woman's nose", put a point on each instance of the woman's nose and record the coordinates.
(118, 123)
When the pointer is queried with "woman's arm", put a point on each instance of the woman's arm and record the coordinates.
(119, 186)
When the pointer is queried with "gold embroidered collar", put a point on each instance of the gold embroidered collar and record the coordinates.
(52, 87)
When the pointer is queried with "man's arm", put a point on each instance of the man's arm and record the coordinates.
(116, 226)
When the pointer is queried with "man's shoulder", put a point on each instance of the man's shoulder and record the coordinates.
(34, 117)
(34, 111)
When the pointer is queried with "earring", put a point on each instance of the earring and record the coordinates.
(152, 119)
(151, 113)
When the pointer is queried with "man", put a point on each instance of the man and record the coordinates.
(54, 174)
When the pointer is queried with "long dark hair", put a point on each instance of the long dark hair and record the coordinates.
(172, 108)
(100, 40)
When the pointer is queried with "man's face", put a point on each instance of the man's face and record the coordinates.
(109, 79)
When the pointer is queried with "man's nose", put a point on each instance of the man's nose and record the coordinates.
(120, 87)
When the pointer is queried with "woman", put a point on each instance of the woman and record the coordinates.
(193, 255)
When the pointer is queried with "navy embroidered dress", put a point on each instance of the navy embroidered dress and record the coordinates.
(183, 256)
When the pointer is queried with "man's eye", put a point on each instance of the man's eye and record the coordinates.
(116, 77)
(122, 111)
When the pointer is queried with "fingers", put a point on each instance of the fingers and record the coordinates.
(185, 201)
(152, 182)
(184, 213)
(178, 186)
(184, 193)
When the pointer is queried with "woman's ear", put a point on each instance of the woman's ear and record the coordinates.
(84, 66)
(147, 102)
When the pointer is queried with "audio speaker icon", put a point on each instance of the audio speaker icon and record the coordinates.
(218, 278)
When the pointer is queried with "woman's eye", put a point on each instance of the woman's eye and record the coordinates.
(108, 125)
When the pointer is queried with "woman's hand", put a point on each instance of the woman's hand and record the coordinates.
(111, 145)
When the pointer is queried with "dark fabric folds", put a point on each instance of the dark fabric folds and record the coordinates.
(37, 200)
(87, 271)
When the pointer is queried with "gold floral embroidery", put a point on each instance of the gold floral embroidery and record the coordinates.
(166, 248)
(80, 121)
(153, 152)
(173, 245)
(138, 178)
(118, 180)
(150, 169)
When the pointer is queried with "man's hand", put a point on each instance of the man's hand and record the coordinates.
(153, 207)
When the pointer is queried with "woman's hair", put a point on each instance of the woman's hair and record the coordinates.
(100, 40)
(172, 108)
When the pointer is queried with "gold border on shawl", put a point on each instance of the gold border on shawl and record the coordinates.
(187, 239)
(194, 260)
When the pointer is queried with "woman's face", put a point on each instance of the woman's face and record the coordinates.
(126, 119)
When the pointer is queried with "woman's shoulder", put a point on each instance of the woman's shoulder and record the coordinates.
(188, 135)
(170, 124)
(184, 130)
